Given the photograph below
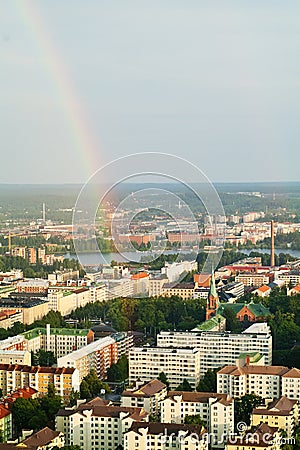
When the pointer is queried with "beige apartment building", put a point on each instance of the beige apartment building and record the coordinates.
(145, 395)
(281, 413)
(156, 285)
(252, 279)
(217, 410)
(31, 308)
(269, 382)
(146, 363)
(182, 290)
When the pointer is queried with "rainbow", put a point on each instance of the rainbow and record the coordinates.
(75, 115)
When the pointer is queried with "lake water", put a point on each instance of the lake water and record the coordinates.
(92, 259)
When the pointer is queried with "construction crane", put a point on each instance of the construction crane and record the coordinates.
(10, 235)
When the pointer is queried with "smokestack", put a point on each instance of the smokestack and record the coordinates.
(44, 212)
(272, 245)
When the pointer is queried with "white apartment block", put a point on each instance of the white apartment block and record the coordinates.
(162, 436)
(218, 349)
(119, 288)
(98, 355)
(252, 279)
(60, 341)
(292, 277)
(174, 270)
(217, 411)
(146, 363)
(96, 425)
(98, 293)
(15, 357)
(145, 395)
(61, 300)
(266, 381)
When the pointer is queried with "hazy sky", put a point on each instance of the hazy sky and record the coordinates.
(87, 81)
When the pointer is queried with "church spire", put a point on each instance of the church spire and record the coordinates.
(212, 299)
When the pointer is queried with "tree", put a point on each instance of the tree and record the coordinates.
(118, 371)
(74, 396)
(232, 324)
(209, 382)
(184, 386)
(243, 407)
(194, 420)
(43, 358)
(91, 386)
(163, 378)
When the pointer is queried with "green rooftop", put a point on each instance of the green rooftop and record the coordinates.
(211, 323)
(255, 356)
(31, 334)
(258, 309)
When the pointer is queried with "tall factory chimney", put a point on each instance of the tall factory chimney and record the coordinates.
(44, 212)
(272, 245)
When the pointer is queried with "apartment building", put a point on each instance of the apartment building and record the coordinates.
(31, 308)
(5, 423)
(218, 349)
(264, 381)
(156, 285)
(174, 270)
(98, 293)
(145, 395)
(252, 279)
(44, 439)
(290, 384)
(261, 437)
(97, 424)
(15, 357)
(61, 300)
(161, 436)
(124, 342)
(119, 288)
(98, 355)
(33, 286)
(182, 290)
(8, 317)
(146, 363)
(140, 282)
(217, 410)
(290, 278)
(60, 341)
(15, 376)
(60, 277)
(281, 413)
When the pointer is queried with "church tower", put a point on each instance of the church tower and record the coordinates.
(213, 299)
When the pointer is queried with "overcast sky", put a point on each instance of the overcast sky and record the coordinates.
(87, 81)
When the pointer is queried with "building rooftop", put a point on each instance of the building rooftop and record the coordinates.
(255, 370)
(279, 407)
(41, 438)
(35, 332)
(147, 390)
(199, 397)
